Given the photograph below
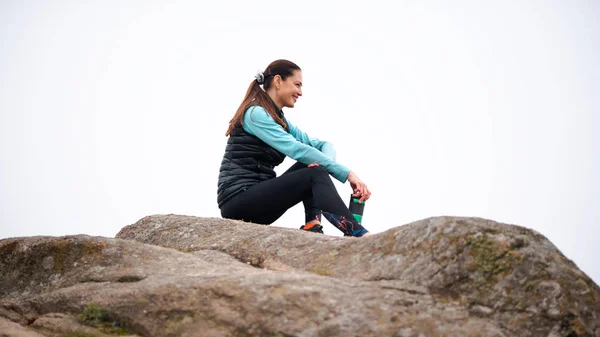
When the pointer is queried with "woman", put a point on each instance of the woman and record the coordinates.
(260, 137)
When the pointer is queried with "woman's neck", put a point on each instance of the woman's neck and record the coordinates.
(278, 104)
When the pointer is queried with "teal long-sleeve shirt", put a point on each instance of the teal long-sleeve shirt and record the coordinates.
(296, 144)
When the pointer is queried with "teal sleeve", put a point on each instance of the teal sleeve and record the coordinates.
(259, 123)
(325, 147)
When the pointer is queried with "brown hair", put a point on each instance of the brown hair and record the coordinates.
(255, 95)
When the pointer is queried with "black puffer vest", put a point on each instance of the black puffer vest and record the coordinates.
(247, 161)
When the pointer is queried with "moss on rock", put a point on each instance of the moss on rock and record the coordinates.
(490, 259)
(97, 317)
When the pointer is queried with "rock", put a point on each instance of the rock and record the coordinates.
(481, 310)
(171, 275)
(10, 329)
(56, 324)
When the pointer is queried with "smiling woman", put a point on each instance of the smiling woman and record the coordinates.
(260, 137)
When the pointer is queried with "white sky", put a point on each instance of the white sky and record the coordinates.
(110, 111)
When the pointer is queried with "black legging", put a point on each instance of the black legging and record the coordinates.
(265, 202)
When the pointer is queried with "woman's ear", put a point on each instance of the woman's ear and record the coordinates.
(277, 81)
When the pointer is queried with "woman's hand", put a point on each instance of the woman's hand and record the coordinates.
(358, 187)
(313, 165)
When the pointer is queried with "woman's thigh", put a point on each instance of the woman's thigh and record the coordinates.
(265, 202)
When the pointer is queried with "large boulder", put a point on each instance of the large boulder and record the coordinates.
(172, 275)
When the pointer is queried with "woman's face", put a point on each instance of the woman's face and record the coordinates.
(290, 90)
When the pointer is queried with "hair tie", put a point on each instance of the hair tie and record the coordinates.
(260, 77)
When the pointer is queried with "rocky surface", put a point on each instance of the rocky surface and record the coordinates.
(172, 275)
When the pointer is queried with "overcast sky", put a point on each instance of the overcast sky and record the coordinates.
(114, 110)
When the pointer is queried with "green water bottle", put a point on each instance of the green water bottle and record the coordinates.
(357, 208)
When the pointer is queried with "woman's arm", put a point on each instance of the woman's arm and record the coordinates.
(323, 146)
(359, 188)
(260, 124)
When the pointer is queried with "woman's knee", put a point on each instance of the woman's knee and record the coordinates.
(320, 170)
(319, 173)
